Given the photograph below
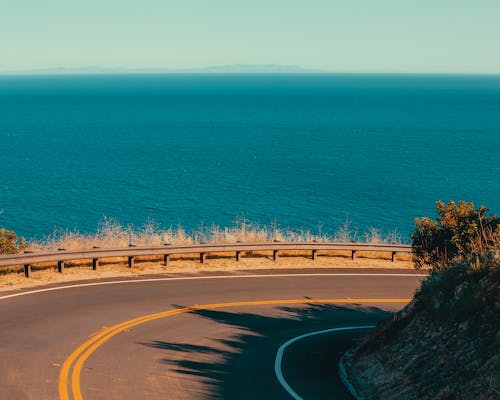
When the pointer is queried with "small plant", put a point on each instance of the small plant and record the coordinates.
(10, 243)
(460, 232)
(345, 233)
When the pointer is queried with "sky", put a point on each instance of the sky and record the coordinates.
(403, 36)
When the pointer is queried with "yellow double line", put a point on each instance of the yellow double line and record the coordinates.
(75, 361)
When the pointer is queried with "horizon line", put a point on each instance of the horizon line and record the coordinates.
(220, 69)
(152, 73)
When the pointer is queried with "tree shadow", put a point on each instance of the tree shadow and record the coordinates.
(241, 365)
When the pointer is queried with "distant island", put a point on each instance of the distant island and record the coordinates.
(215, 69)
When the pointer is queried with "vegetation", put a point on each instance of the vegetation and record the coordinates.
(111, 233)
(459, 232)
(10, 243)
(444, 344)
(463, 292)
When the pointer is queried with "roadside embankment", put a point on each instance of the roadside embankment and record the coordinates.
(444, 345)
(82, 270)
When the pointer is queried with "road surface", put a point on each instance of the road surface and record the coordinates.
(199, 337)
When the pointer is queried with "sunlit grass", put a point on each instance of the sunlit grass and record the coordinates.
(110, 233)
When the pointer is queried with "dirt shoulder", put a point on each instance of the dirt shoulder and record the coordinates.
(118, 269)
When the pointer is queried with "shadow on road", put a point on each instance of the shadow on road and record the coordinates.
(241, 365)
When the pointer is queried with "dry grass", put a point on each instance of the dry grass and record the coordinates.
(112, 234)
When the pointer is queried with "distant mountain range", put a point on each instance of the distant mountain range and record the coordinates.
(216, 69)
(258, 68)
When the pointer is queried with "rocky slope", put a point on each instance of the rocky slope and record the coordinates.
(444, 345)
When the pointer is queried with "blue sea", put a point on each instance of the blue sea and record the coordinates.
(307, 151)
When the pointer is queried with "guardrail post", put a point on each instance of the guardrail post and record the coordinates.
(353, 254)
(314, 254)
(60, 266)
(275, 255)
(393, 257)
(130, 261)
(238, 255)
(60, 263)
(166, 259)
(27, 270)
(202, 258)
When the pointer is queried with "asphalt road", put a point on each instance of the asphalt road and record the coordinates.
(215, 352)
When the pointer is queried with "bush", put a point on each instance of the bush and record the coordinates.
(10, 243)
(459, 232)
(463, 292)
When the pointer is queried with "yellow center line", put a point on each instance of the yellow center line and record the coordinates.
(85, 350)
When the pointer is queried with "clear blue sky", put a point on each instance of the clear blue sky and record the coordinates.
(448, 36)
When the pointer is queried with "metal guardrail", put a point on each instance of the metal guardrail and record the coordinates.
(95, 254)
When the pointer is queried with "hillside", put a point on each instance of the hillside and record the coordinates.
(444, 345)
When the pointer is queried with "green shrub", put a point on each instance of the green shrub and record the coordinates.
(460, 232)
(10, 243)
(463, 291)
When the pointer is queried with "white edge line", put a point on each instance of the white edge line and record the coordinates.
(186, 278)
(281, 350)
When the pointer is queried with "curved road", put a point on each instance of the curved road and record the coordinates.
(198, 337)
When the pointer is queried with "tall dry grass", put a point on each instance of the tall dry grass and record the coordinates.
(110, 233)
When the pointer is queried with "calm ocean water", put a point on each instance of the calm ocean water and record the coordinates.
(304, 150)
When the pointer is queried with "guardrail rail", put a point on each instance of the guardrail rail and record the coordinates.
(95, 254)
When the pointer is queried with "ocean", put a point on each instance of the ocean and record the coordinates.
(305, 151)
